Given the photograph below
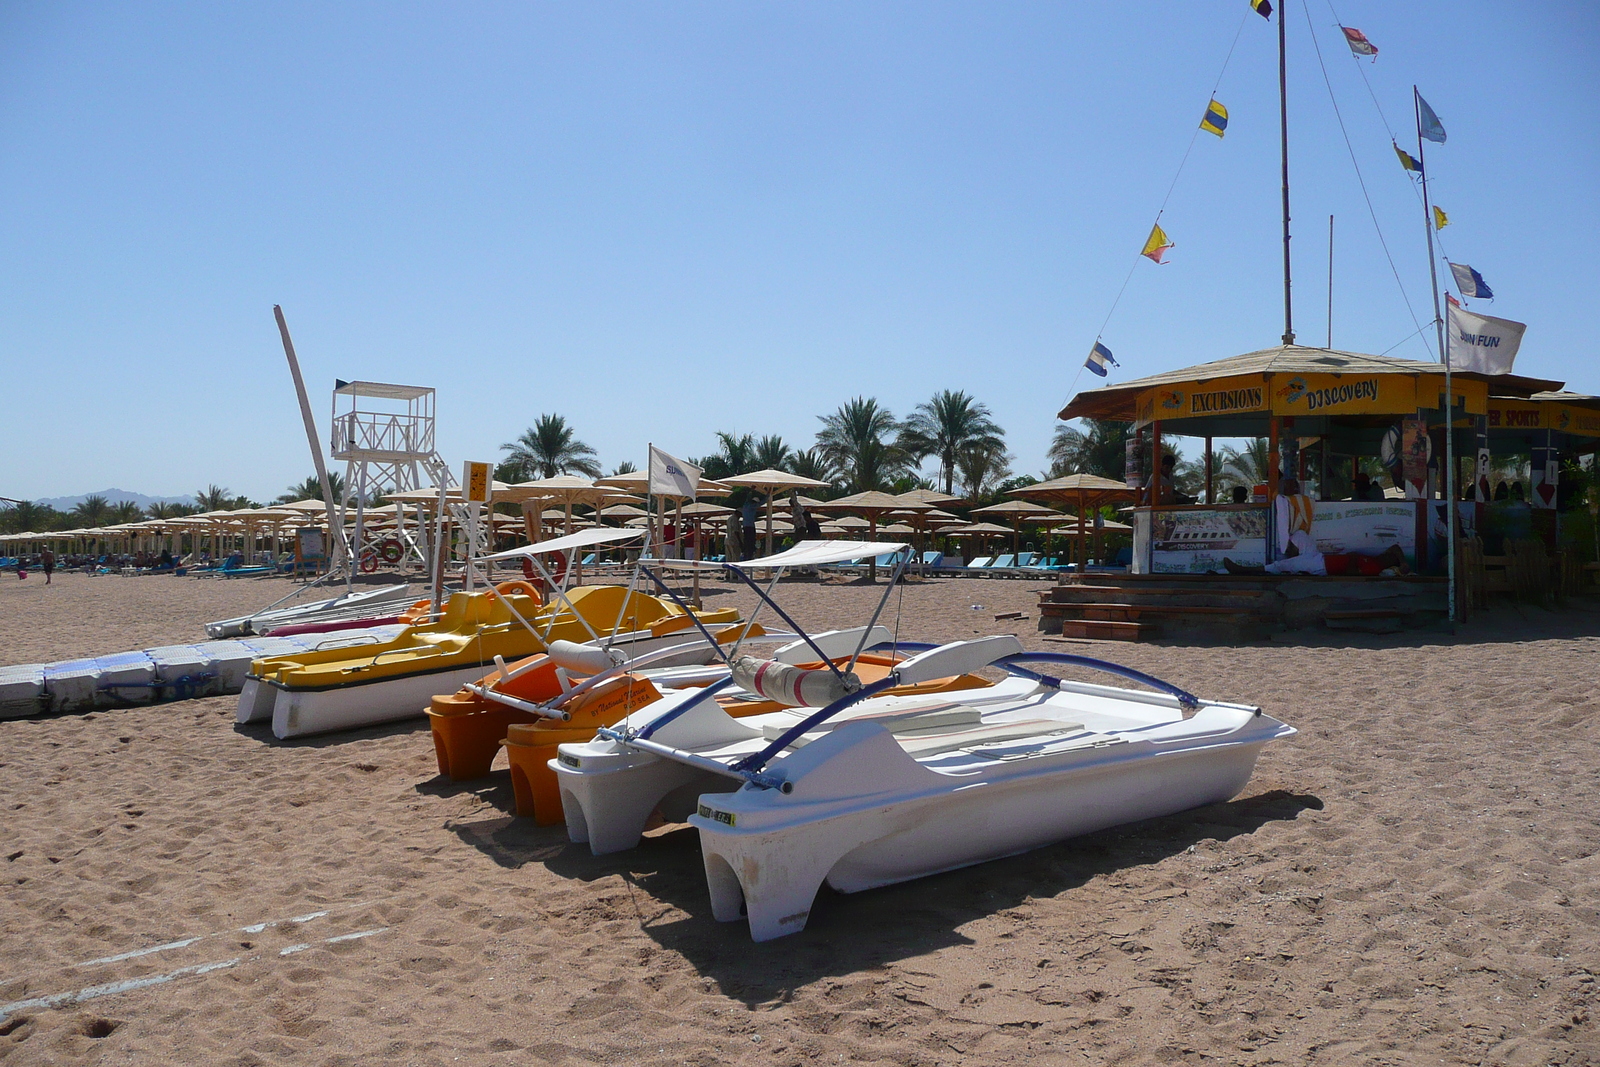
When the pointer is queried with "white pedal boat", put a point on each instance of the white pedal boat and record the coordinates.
(871, 790)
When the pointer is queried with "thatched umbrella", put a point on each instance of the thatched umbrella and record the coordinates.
(769, 482)
(872, 505)
(1083, 490)
(1018, 511)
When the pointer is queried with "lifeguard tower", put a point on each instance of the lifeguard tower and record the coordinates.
(384, 435)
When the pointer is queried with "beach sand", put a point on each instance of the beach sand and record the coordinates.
(1410, 880)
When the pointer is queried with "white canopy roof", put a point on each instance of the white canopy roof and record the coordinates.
(804, 554)
(581, 539)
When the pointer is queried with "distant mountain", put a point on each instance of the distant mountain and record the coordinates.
(113, 496)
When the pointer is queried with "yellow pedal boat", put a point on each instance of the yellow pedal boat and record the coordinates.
(354, 686)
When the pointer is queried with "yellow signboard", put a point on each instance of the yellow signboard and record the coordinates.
(1307, 395)
(1543, 415)
(475, 482)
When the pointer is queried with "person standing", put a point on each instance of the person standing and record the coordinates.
(47, 562)
(747, 516)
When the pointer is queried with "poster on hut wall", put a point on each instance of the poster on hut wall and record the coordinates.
(1365, 528)
(1197, 541)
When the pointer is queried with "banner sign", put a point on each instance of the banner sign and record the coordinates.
(475, 485)
(1365, 527)
(1195, 541)
(1307, 395)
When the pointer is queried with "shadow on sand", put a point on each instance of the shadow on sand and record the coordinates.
(864, 930)
(262, 731)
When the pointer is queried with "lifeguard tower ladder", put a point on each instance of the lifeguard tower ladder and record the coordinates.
(384, 435)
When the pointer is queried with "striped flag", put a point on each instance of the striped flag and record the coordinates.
(1099, 356)
(1215, 120)
(1358, 42)
(1157, 245)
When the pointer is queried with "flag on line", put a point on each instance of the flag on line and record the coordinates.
(1358, 42)
(671, 476)
(1262, 8)
(1407, 160)
(1157, 245)
(1215, 120)
(1440, 219)
(1481, 343)
(1428, 124)
(1470, 282)
(1099, 356)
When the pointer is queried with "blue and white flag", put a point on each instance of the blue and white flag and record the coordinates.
(671, 476)
(1470, 282)
(1428, 124)
(1099, 356)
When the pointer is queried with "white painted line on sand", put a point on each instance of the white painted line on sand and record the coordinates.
(94, 992)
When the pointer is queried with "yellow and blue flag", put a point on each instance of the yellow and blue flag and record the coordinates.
(1215, 120)
(1407, 160)
(1262, 8)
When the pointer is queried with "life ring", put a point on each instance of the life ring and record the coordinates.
(391, 551)
(517, 585)
(558, 568)
(369, 561)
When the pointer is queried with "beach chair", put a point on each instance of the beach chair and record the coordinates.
(980, 563)
(1003, 563)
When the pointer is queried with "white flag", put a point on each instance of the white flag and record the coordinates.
(1480, 342)
(671, 476)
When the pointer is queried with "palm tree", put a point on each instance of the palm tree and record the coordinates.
(550, 447)
(626, 467)
(772, 453)
(25, 516)
(126, 511)
(1100, 450)
(311, 489)
(94, 510)
(1245, 466)
(854, 442)
(808, 464)
(163, 509)
(946, 426)
(736, 454)
(982, 468)
(213, 498)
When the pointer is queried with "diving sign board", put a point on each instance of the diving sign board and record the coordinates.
(475, 484)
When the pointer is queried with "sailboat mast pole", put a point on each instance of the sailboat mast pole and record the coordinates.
(1444, 357)
(1283, 123)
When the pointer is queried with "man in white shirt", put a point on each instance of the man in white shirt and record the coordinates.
(1292, 522)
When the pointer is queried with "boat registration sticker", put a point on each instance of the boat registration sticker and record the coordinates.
(570, 761)
(727, 818)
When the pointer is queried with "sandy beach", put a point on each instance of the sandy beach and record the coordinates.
(1410, 880)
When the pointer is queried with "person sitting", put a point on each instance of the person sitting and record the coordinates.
(1292, 513)
(1362, 487)
(1241, 495)
(1169, 490)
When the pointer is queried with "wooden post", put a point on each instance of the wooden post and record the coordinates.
(1155, 463)
(1272, 459)
(1209, 498)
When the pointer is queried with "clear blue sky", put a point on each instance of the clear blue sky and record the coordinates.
(662, 220)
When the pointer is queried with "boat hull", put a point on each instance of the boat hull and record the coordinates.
(766, 854)
(301, 712)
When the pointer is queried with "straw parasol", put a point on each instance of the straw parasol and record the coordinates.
(977, 529)
(873, 505)
(1083, 490)
(638, 483)
(1018, 511)
(927, 496)
(768, 482)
